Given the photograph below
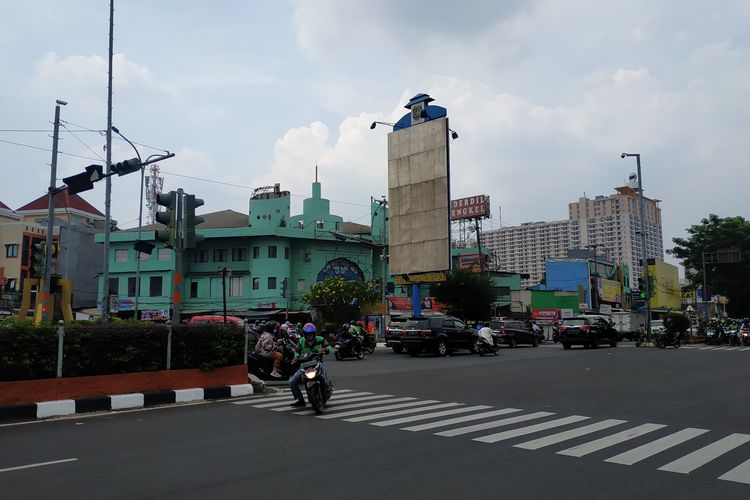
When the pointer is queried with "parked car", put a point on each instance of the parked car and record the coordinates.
(513, 332)
(393, 333)
(586, 330)
(438, 334)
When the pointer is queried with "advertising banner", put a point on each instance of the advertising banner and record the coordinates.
(610, 291)
(472, 207)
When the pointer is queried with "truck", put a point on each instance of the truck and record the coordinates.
(628, 324)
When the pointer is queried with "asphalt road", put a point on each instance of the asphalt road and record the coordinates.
(530, 423)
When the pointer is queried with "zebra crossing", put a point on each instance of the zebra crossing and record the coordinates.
(496, 425)
(702, 347)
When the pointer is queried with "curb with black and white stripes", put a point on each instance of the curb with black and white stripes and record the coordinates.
(120, 402)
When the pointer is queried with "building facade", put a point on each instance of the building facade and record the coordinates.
(271, 258)
(609, 225)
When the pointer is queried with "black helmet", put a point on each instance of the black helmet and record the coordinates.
(270, 327)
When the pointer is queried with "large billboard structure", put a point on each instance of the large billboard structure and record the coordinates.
(419, 190)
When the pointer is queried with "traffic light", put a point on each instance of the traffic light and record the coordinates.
(38, 251)
(168, 235)
(126, 167)
(191, 220)
(85, 180)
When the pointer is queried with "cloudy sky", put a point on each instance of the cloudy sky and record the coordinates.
(545, 95)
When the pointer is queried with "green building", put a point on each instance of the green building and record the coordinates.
(271, 258)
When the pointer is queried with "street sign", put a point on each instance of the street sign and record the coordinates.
(407, 279)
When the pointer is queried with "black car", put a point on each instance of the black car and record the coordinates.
(393, 333)
(438, 334)
(588, 331)
(513, 332)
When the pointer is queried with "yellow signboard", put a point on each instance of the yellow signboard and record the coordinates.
(406, 279)
(688, 295)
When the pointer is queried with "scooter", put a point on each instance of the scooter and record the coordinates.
(347, 347)
(262, 367)
(318, 390)
(665, 338)
(483, 346)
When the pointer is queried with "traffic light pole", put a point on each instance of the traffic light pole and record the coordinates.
(47, 278)
(177, 278)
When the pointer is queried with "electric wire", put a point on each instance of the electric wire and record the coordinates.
(81, 141)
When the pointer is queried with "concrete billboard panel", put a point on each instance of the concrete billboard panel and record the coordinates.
(419, 198)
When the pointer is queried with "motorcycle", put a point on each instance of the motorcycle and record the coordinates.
(368, 343)
(733, 336)
(318, 390)
(745, 334)
(347, 347)
(484, 347)
(665, 338)
(713, 336)
(261, 367)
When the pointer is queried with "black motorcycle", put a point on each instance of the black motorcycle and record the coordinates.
(318, 390)
(347, 347)
(713, 336)
(368, 343)
(667, 337)
(261, 367)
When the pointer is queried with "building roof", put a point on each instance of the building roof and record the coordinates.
(63, 200)
(354, 228)
(214, 220)
(3, 205)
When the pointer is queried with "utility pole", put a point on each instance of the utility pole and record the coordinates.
(108, 180)
(178, 246)
(47, 278)
(224, 291)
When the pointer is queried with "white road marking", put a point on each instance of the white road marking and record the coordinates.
(348, 398)
(740, 474)
(370, 410)
(530, 429)
(566, 435)
(360, 405)
(701, 457)
(403, 420)
(377, 416)
(493, 424)
(40, 464)
(650, 449)
(607, 441)
(458, 420)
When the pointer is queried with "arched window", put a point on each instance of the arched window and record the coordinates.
(341, 267)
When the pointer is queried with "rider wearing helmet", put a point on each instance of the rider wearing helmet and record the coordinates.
(310, 342)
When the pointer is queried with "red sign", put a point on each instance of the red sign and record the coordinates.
(473, 207)
(545, 314)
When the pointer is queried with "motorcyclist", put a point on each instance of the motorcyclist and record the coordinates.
(356, 331)
(266, 347)
(485, 334)
(535, 328)
(310, 342)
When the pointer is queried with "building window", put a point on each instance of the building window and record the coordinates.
(239, 254)
(272, 251)
(193, 289)
(114, 286)
(154, 286)
(131, 287)
(342, 267)
(286, 253)
(256, 283)
(235, 286)
(220, 255)
(200, 256)
(272, 283)
(143, 256)
(10, 286)
(121, 255)
(164, 254)
(256, 252)
(11, 250)
(300, 285)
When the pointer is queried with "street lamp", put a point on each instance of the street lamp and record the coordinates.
(454, 134)
(644, 259)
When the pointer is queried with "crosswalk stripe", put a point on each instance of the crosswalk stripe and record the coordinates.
(650, 449)
(458, 420)
(530, 429)
(379, 408)
(740, 474)
(566, 435)
(706, 348)
(403, 420)
(493, 424)
(745, 349)
(351, 406)
(402, 412)
(333, 403)
(607, 441)
(701, 457)
(280, 402)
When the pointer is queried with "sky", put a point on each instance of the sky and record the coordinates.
(544, 95)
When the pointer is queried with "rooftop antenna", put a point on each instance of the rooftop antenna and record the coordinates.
(316, 172)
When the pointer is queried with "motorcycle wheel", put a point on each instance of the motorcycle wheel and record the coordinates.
(535, 342)
(316, 399)
(371, 349)
(397, 349)
(338, 356)
(676, 343)
(361, 355)
(660, 343)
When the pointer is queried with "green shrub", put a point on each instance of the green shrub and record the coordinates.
(28, 352)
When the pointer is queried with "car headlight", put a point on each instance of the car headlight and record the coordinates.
(311, 374)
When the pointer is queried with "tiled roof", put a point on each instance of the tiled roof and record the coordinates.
(62, 200)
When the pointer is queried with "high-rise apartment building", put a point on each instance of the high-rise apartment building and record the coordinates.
(609, 225)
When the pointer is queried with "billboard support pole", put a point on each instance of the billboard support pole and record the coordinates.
(416, 299)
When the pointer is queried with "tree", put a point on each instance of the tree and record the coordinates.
(730, 279)
(338, 300)
(467, 295)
